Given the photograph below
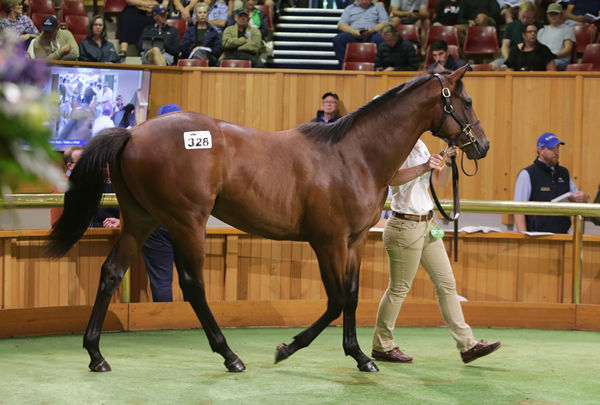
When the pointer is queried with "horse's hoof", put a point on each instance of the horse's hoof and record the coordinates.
(281, 353)
(100, 367)
(368, 367)
(235, 366)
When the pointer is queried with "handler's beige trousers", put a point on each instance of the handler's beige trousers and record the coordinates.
(408, 243)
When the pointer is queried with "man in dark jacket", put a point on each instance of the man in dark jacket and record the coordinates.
(395, 52)
(546, 180)
(159, 42)
(440, 54)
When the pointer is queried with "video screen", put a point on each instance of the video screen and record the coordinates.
(92, 99)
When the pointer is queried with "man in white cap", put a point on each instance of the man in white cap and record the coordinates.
(546, 180)
(54, 43)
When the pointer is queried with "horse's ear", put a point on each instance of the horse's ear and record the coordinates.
(457, 75)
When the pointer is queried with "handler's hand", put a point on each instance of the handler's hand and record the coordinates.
(579, 197)
(434, 161)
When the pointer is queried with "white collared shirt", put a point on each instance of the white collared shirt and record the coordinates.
(413, 197)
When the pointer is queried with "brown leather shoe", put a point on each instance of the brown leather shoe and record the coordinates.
(482, 348)
(395, 356)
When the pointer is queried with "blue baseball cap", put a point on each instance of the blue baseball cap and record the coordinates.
(548, 140)
(158, 10)
(168, 108)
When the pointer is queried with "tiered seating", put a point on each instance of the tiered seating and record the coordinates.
(579, 67)
(408, 31)
(235, 63)
(484, 67)
(365, 66)
(77, 24)
(360, 52)
(592, 55)
(481, 42)
(584, 35)
(192, 62)
(446, 32)
(267, 11)
(71, 7)
(178, 23)
(44, 7)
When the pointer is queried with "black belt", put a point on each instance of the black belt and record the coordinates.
(416, 218)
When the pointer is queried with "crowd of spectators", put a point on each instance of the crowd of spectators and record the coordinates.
(237, 29)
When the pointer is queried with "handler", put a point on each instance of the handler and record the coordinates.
(410, 236)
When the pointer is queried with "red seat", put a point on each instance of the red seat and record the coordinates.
(481, 41)
(78, 25)
(584, 35)
(113, 7)
(592, 55)
(452, 50)
(446, 32)
(235, 63)
(267, 11)
(71, 7)
(192, 62)
(360, 52)
(366, 66)
(579, 67)
(44, 7)
(484, 67)
(408, 31)
(38, 19)
(178, 23)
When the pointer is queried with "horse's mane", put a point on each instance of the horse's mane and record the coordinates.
(336, 131)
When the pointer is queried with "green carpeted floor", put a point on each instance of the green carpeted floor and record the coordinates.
(178, 367)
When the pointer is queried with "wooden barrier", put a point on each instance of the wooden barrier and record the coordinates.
(510, 280)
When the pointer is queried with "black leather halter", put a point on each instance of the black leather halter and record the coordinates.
(465, 133)
(449, 111)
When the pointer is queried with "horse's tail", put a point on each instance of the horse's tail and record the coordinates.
(86, 185)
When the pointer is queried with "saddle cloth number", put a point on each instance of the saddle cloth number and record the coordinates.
(197, 140)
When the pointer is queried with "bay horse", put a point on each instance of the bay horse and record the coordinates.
(321, 183)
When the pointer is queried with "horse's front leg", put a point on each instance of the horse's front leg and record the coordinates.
(351, 347)
(111, 275)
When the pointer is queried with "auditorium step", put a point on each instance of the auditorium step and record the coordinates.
(303, 39)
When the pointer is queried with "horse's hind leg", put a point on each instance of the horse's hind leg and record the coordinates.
(189, 259)
(332, 259)
(113, 269)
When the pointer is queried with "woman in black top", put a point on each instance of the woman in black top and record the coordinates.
(94, 47)
(530, 54)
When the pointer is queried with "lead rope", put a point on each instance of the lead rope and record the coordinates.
(455, 197)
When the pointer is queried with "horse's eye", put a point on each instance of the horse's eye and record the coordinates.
(468, 104)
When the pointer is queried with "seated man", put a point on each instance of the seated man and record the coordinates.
(258, 19)
(545, 180)
(395, 53)
(557, 36)
(241, 41)
(440, 54)
(360, 22)
(411, 12)
(530, 54)
(477, 12)
(53, 43)
(159, 42)
(329, 108)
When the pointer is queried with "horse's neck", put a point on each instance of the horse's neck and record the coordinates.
(390, 141)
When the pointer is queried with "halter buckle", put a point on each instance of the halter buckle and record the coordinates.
(446, 92)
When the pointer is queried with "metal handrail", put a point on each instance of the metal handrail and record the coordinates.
(579, 210)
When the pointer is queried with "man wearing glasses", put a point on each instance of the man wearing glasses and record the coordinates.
(329, 108)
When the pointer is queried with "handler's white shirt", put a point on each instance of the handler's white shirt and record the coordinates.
(413, 197)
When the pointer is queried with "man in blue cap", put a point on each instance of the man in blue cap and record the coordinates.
(159, 42)
(545, 180)
(158, 251)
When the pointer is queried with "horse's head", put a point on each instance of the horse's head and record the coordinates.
(462, 128)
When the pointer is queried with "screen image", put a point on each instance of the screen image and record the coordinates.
(92, 99)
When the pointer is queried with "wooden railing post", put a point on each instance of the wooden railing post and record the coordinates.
(577, 257)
